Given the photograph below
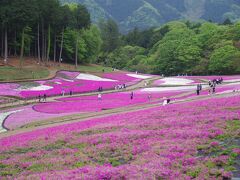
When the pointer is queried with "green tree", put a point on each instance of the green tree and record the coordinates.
(110, 35)
(81, 21)
(125, 57)
(224, 60)
(93, 41)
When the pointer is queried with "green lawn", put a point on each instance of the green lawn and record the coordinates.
(8, 73)
(88, 68)
(11, 73)
(95, 68)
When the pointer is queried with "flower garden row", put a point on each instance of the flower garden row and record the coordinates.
(74, 105)
(189, 140)
(69, 81)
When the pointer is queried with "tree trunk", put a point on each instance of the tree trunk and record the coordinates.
(39, 55)
(45, 48)
(60, 55)
(2, 47)
(76, 53)
(22, 48)
(54, 53)
(49, 42)
(6, 47)
(35, 50)
(15, 45)
(43, 58)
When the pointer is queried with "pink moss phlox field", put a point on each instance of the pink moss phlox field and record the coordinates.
(65, 81)
(26, 116)
(91, 103)
(84, 104)
(157, 143)
(6, 89)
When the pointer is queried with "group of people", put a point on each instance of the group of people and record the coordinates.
(120, 86)
(212, 84)
(100, 89)
(63, 92)
(199, 89)
(42, 98)
(166, 101)
(182, 74)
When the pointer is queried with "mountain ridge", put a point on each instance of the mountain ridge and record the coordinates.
(148, 13)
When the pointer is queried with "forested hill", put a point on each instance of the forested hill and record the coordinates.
(148, 13)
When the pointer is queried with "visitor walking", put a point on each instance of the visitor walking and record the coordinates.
(131, 96)
(198, 89)
(39, 98)
(149, 97)
(44, 97)
(166, 101)
(99, 97)
(214, 87)
(63, 93)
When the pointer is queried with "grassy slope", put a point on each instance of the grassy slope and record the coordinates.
(9, 73)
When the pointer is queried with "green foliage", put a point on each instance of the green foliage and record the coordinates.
(181, 47)
(177, 51)
(93, 41)
(223, 60)
(126, 57)
(79, 164)
(39, 167)
(89, 44)
(110, 35)
(194, 173)
(114, 162)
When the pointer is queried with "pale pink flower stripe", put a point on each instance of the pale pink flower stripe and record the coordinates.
(26, 116)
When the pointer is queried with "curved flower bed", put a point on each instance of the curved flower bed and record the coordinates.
(67, 81)
(73, 105)
(164, 143)
(25, 116)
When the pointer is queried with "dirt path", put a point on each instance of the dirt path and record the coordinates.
(88, 116)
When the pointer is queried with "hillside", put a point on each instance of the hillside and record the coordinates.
(148, 13)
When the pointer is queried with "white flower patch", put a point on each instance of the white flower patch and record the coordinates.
(37, 88)
(3, 116)
(162, 89)
(139, 76)
(231, 80)
(91, 77)
(237, 84)
(176, 81)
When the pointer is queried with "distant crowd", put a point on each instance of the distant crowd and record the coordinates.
(212, 86)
